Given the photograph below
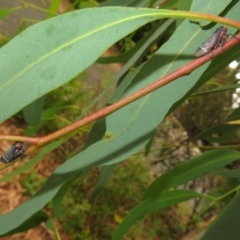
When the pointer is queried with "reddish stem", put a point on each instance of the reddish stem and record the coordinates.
(182, 71)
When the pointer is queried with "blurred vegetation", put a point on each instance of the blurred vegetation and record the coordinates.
(130, 179)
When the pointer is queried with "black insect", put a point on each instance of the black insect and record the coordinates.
(15, 151)
(218, 38)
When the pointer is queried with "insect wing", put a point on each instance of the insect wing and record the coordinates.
(15, 151)
(218, 37)
(9, 155)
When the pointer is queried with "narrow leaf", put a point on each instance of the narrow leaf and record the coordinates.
(234, 115)
(230, 173)
(42, 67)
(216, 90)
(226, 226)
(115, 3)
(209, 6)
(97, 132)
(106, 173)
(58, 198)
(5, 12)
(162, 201)
(32, 222)
(52, 11)
(32, 113)
(220, 133)
(141, 118)
(191, 169)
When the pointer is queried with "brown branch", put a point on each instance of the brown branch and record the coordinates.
(182, 71)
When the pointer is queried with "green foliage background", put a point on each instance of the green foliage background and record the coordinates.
(47, 61)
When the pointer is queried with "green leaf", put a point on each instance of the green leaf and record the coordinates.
(97, 132)
(210, 7)
(31, 222)
(33, 112)
(234, 115)
(42, 67)
(124, 85)
(151, 37)
(216, 90)
(137, 3)
(162, 201)
(5, 12)
(185, 6)
(143, 116)
(149, 144)
(86, 4)
(220, 133)
(137, 120)
(58, 198)
(115, 3)
(52, 10)
(173, 4)
(105, 174)
(156, 33)
(230, 173)
(226, 226)
(46, 115)
(191, 169)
